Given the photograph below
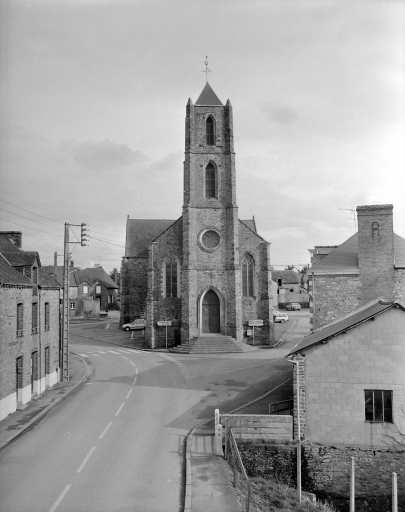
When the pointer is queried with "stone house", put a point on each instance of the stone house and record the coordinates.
(289, 288)
(368, 265)
(29, 326)
(352, 379)
(208, 272)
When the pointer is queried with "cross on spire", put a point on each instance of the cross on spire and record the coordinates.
(206, 70)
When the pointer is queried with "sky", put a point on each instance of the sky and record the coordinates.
(93, 101)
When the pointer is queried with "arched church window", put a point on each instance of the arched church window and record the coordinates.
(209, 131)
(247, 275)
(171, 276)
(210, 181)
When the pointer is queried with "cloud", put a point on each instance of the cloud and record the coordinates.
(280, 114)
(105, 155)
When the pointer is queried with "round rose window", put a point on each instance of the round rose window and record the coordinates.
(210, 239)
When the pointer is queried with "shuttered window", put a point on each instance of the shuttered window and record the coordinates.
(20, 319)
(46, 316)
(209, 132)
(34, 324)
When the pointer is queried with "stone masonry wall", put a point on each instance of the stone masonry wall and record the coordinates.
(134, 285)
(326, 471)
(370, 356)
(334, 297)
(259, 426)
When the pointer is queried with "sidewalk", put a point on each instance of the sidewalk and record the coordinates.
(208, 486)
(18, 422)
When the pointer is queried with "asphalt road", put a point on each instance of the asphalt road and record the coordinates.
(117, 444)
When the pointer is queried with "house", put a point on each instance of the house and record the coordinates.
(208, 272)
(352, 379)
(319, 252)
(368, 265)
(289, 288)
(29, 327)
(90, 290)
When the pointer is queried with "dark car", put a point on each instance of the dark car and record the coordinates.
(293, 306)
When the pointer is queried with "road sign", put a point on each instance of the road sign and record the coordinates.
(257, 323)
(164, 323)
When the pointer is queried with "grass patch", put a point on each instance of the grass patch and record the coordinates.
(272, 496)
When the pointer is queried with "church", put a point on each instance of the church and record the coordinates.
(207, 272)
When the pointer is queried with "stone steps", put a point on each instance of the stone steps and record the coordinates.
(212, 344)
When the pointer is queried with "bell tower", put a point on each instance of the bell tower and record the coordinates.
(210, 217)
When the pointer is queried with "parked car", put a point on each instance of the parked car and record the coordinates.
(136, 325)
(293, 306)
(280, 317)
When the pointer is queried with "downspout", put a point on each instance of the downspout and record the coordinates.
(298, 432)
(39, 339)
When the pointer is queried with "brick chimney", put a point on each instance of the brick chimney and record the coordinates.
(14, 236)
(376, 251)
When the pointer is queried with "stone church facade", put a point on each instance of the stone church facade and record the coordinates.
(208, 272)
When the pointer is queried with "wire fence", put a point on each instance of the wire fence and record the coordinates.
(232, 456)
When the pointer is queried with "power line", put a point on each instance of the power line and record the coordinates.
(104, 241)
(33, 213)
(32, 204)
(36, 221)
(40, 230)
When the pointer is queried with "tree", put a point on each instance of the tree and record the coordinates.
(290, 267)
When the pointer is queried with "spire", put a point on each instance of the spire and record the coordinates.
(208, 97)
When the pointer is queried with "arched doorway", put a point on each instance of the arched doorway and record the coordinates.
(211, 313)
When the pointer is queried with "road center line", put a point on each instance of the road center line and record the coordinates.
(61, 496)
(119, 410)
(136, 370)
(86, 459)
(129, 392)
(134, 381)
(133, 364)
(124, 357)
(105, 430)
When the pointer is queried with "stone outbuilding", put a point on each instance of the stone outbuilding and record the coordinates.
(352, 379)
(207, 272)
(368, 265)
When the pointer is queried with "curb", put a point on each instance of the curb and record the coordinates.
(36, 419)
(153, 350)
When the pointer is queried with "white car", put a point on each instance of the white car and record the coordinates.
(136, 325)
(280, 317)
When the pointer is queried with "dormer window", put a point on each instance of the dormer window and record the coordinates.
(209, 131)
(280, 281)
(35, 275)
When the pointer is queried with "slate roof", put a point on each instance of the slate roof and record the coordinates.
(208, 97)
(344, 259)
(141, 233)
(348, 322)
(46, 280)
(93, 276)
(251, 224)
(7, 246)
(8, 274)
(23, 258)
(288, 276)
(50, 270)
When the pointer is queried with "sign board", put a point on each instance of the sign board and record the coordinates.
(256, 323)
(164, 323)
(249, 332)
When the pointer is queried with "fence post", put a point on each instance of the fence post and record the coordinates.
(394, 493)
(226, 438)
(352, 486)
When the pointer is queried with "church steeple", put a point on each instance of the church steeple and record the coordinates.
(208, 97)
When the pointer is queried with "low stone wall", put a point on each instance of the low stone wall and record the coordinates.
(259, 426)
(326, 471)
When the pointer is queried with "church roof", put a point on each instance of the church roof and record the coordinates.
(345, 259)
(251, 224)
(141, 233)
(208, 97)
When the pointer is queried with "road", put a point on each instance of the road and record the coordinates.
(118, 443)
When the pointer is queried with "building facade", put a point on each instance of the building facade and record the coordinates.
(369, 265)
(29, 325)
(208, 272)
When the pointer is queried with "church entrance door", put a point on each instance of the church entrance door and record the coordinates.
(210, 313)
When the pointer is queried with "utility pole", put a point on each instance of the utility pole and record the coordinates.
(65, 301)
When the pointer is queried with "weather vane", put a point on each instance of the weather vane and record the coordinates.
(206, 70)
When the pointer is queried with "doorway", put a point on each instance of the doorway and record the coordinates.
(211, 313)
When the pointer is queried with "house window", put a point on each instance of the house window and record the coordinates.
(279, 281)
(72, 305)
(209, 131)
(98, 289)
(34, 324)
(247, 275)
(210, 181)
(85, 289)
(171, 276)
(46, 316)
(20, 319)
(378, 405)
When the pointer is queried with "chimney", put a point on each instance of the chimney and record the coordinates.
(14, 236)
(376, 251)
